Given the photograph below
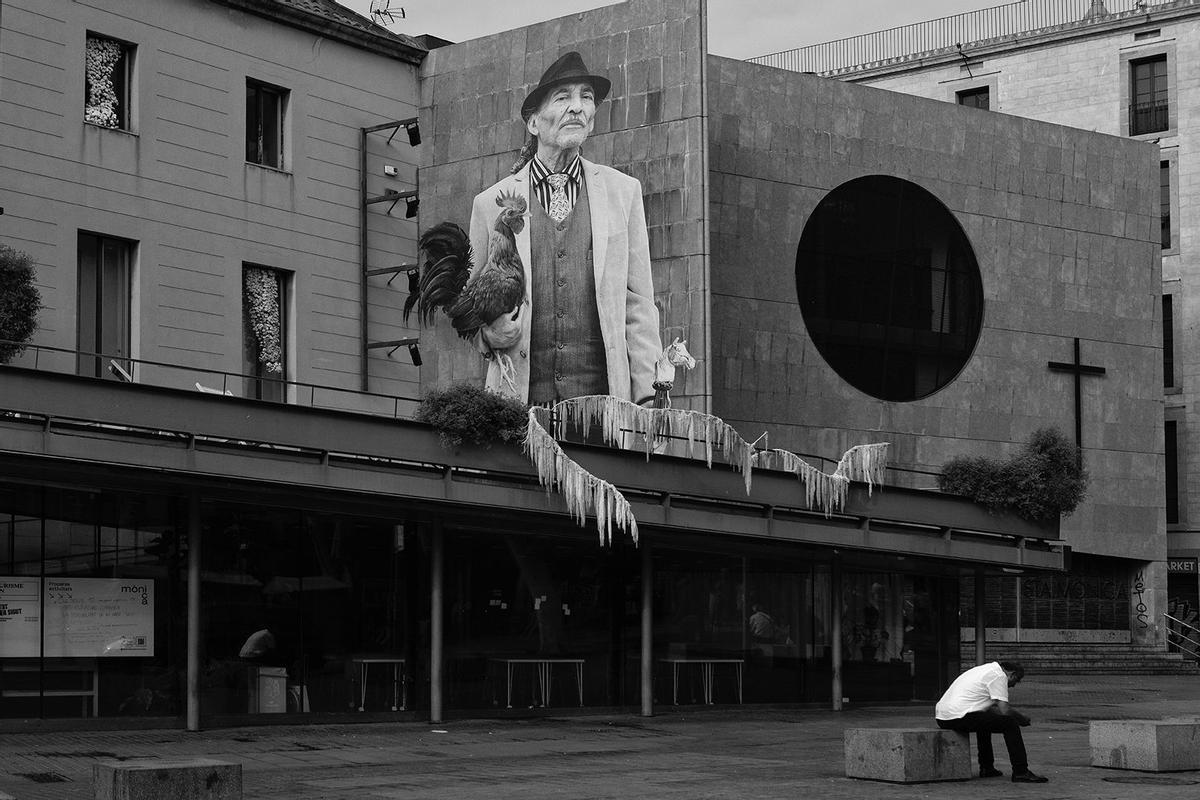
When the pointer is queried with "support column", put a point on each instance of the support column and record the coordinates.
(647, 628)
(195, 546)
(835, 630)
(436, 622)
(980, 631)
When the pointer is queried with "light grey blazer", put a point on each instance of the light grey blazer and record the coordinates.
(624, 287)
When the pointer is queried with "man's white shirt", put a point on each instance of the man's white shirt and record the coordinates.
(974, 690)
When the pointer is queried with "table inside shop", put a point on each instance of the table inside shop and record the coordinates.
(399, 687)
(707, 671)
(545, 674)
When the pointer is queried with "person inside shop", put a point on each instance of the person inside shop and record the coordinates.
(762, 625)
(977, 702)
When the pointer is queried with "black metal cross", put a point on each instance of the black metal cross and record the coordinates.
(1078, 370)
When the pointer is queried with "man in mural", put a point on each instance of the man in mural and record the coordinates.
(588, 324)
(977, 702)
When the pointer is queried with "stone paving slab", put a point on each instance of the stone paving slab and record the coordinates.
(733, 752)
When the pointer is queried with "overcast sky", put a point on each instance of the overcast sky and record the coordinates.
(737, 28)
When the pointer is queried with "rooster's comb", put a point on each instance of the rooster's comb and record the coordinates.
(513, 201)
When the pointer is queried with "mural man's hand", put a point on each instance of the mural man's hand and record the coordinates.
(503, 332)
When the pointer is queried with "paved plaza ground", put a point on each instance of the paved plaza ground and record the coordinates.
(685, 752)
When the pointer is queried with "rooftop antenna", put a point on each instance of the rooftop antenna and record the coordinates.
(384, 10)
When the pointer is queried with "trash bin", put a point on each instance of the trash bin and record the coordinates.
(268, 690)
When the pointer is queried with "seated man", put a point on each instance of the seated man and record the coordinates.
(977, 702)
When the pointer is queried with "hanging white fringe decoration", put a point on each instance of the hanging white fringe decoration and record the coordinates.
(865, 462)
(585, 493)
(582, 490)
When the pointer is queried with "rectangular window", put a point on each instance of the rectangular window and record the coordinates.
(1149, 108)
(266, 106)
(1171, 450)
(105, 265)
(108, 78)
(264, 332)
(1164, 202)
(975, 98)
(1168, 341)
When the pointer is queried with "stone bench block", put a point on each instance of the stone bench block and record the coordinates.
(158, 778)
(907, 755)
(1149, 745)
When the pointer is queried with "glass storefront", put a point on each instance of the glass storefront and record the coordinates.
(540, 619)
(92, 604)
(318, 614)
(899, 635)
(306, 612)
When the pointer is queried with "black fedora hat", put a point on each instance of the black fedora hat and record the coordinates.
(568, 68)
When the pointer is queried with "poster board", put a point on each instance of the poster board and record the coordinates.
(20, 617)
(84, 617)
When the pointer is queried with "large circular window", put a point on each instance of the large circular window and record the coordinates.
(889, 288)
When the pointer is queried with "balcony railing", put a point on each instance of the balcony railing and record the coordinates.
(1150, 117)
(332, 398)
(973, 27)
(209, 381)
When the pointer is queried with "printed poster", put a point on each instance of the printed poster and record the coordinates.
(84, 617)
(20, 617)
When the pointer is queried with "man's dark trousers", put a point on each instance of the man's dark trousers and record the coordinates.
(983, 724)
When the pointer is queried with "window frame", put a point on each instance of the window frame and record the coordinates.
(1169, 157)
(974, 91)
(973, 83)
(1172, 496)
(1168, 340)
(96, 290)
(260, 384)
(126, 86)
(1140, 53)
(255, 115)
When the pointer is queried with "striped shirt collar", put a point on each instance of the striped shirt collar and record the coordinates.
(539, 171)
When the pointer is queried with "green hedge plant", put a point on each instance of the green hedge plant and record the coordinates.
(1040, 483)
(20, 302)
(466, 413)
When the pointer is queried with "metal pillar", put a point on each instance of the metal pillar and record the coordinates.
(436, 624)
(980, 631)
(194, 543)
(835, 628)
(647, 629)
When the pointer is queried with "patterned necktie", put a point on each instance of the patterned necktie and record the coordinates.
(559, 207)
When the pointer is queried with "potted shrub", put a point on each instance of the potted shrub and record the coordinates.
(468, 414)
(1045, 480)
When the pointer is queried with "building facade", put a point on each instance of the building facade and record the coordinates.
(215, 501)
(1116, 68)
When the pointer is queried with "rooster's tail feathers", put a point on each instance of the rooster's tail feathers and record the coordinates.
(445, 268)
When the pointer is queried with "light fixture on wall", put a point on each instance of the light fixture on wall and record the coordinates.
(414, 132)
(415, 354)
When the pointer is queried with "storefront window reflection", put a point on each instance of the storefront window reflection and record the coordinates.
(306, 613)
(91, 583)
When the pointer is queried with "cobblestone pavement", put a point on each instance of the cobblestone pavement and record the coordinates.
(684, 752)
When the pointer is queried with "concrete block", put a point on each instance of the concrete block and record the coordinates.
(907, 755)
(157, 778)
(1148, 745)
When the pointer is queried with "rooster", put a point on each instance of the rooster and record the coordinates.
(472, 298)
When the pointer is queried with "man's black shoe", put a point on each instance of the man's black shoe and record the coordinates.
(989, 772)
(1028, 777)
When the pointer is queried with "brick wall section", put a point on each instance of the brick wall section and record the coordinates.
(650, 127)
(1063, 223)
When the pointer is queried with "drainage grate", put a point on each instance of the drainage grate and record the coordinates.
(44, 777)
(1154, 780)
